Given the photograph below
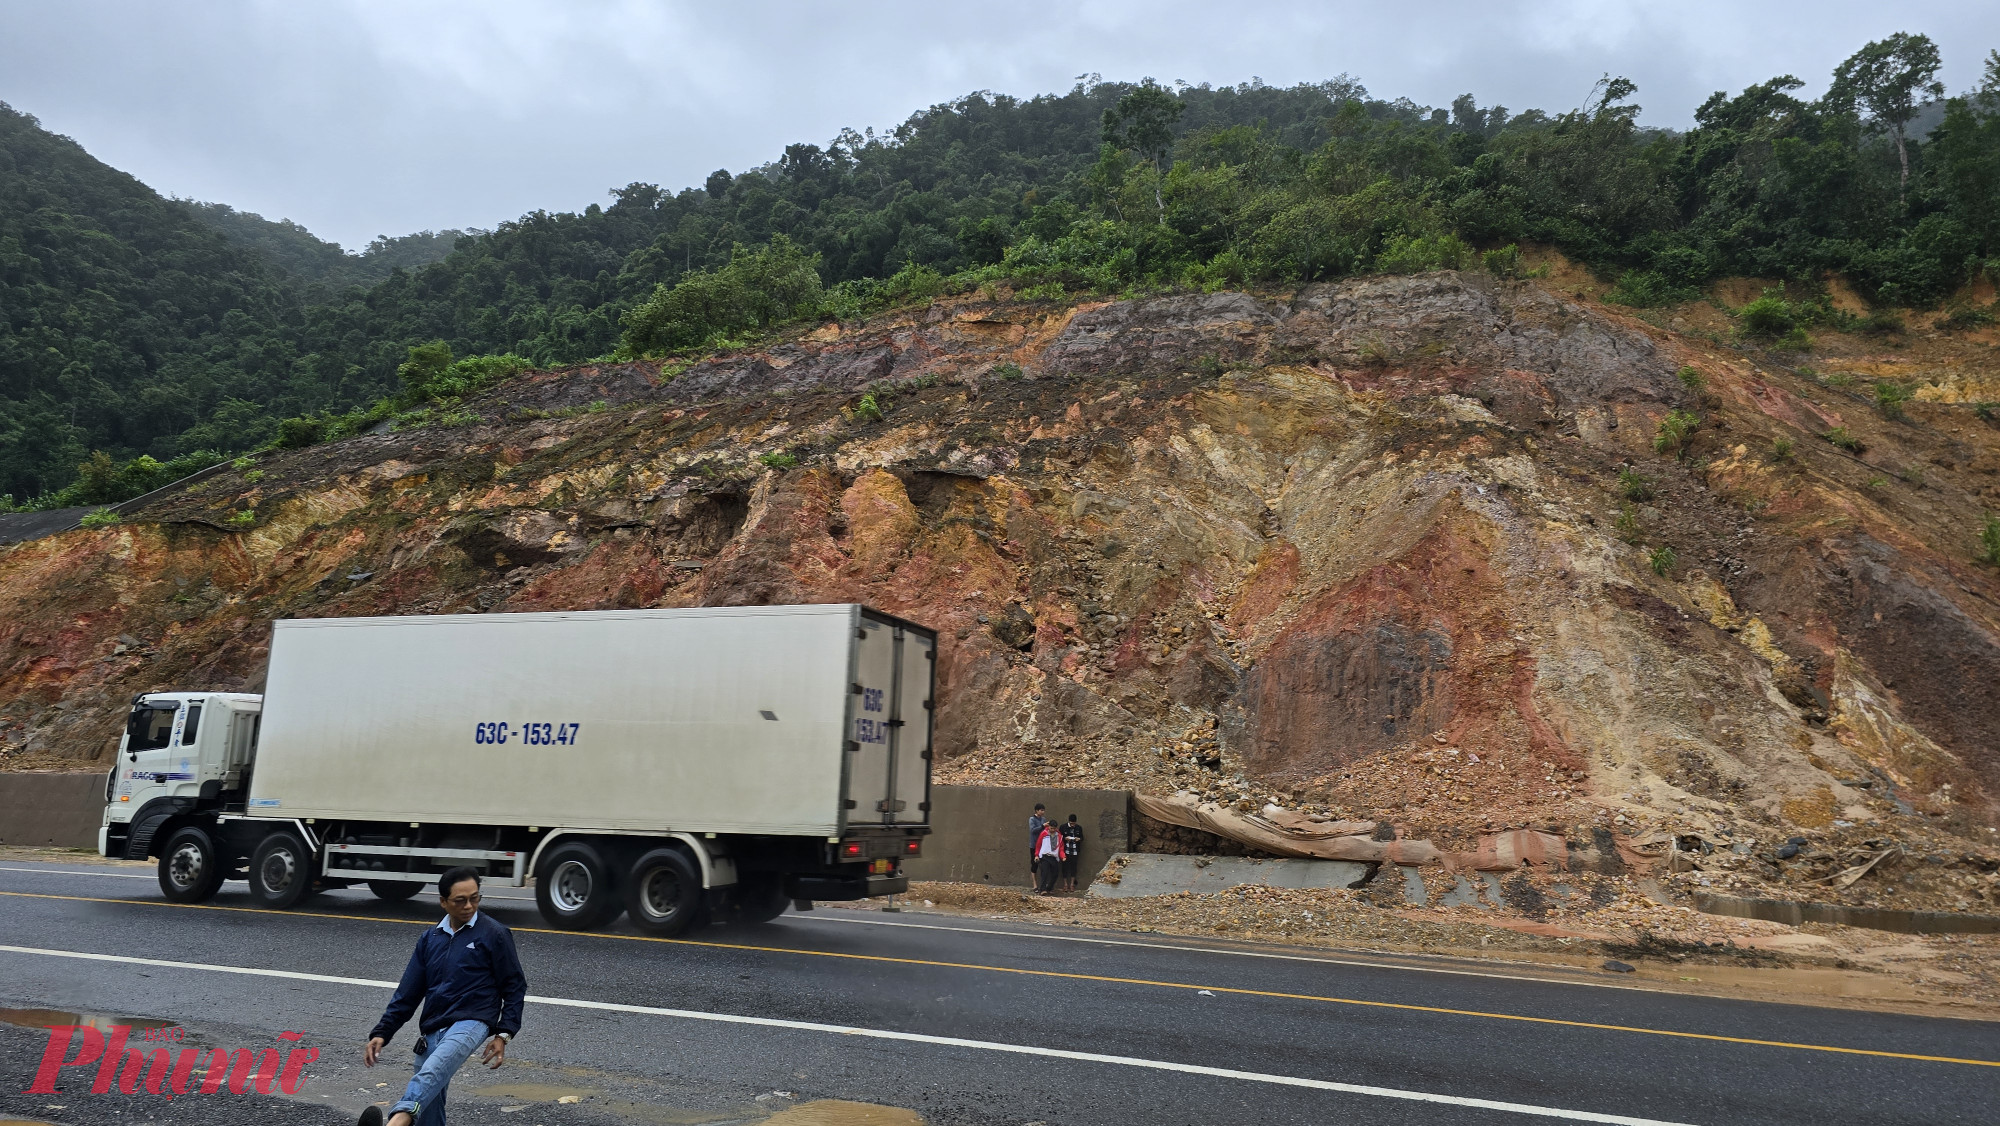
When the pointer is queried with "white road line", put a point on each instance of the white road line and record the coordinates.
(918, 1038)
(128, 960)
(62, 872)
(1355, 963)
(1233, 953)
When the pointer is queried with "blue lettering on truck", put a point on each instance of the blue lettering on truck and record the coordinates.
(533, 734)
(868, 730)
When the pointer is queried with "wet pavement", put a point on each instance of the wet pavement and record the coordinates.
(846, 1020)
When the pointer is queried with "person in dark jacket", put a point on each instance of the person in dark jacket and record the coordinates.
(469, 979)
(1072, 835)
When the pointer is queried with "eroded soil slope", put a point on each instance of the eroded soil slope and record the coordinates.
(1363, 550)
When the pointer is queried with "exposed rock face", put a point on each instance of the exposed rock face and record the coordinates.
(1365, 542)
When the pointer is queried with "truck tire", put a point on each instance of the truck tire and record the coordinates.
(281, 871)
(757, 899)
(575, 889)
(395, 891)
(663, 896)
(191, 867)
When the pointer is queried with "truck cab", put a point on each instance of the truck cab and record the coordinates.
(182, 753)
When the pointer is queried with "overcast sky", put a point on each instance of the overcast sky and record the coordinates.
(359, 119)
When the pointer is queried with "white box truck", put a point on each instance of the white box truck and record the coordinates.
(673, 765)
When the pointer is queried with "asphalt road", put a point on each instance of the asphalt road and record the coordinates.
(961, 1020)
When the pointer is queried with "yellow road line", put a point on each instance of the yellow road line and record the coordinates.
(1710, 1036)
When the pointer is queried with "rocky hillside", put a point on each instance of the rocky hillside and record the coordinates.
(1421, 550)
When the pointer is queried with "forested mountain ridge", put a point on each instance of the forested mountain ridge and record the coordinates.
(1110, 187)
(117, 307)
(312, 260)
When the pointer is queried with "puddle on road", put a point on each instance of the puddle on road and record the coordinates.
(55, 1018)
(837, 1112)
(819, 1112)
(1769, 981)
(532, 1092)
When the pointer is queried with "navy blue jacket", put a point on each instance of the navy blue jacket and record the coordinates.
(472, 975)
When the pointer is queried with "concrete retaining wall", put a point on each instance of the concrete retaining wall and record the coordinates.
(17, 527)
(981, 832)
(1793, 913)
(51, 810)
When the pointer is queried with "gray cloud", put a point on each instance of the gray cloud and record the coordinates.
(360, 119)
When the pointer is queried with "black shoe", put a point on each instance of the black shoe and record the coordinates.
(370, 1116)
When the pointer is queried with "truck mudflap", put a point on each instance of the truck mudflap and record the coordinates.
(833, 889)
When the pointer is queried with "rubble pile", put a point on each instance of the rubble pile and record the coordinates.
(1671, 946)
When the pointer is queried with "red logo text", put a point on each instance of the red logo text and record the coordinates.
(164, 1071)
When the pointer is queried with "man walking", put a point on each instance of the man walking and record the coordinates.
(465, 972)
(1072, 835)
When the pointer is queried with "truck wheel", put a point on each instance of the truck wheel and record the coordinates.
(395, 891)
(758, 900)
(281, 871)
(190, 868)
(576, 889)
(664, 895)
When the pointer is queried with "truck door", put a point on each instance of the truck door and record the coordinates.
(152, 751)
(890, 735)
(868, 730)
(910, 735)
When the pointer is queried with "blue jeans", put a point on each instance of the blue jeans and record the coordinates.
(445, 1051)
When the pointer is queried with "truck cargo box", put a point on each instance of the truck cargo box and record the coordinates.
(789, 720)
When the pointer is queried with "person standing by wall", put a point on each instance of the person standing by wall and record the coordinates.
(1072, 835)
(469, 979)
(1048, 858)
(1036, 823)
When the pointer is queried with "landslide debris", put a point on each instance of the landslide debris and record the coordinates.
(1670, 947)
(1412, 551)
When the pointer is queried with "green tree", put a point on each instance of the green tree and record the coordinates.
(97, 480)
(760, 287)
(1966, 147)
(426, 363)
(1885, 78)
(1143, 121)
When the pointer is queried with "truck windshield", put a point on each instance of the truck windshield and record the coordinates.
(151, 727)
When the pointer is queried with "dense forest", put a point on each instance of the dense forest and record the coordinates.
(135, 325)
(311, 260)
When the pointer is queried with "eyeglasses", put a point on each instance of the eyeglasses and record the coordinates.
(463, 900)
